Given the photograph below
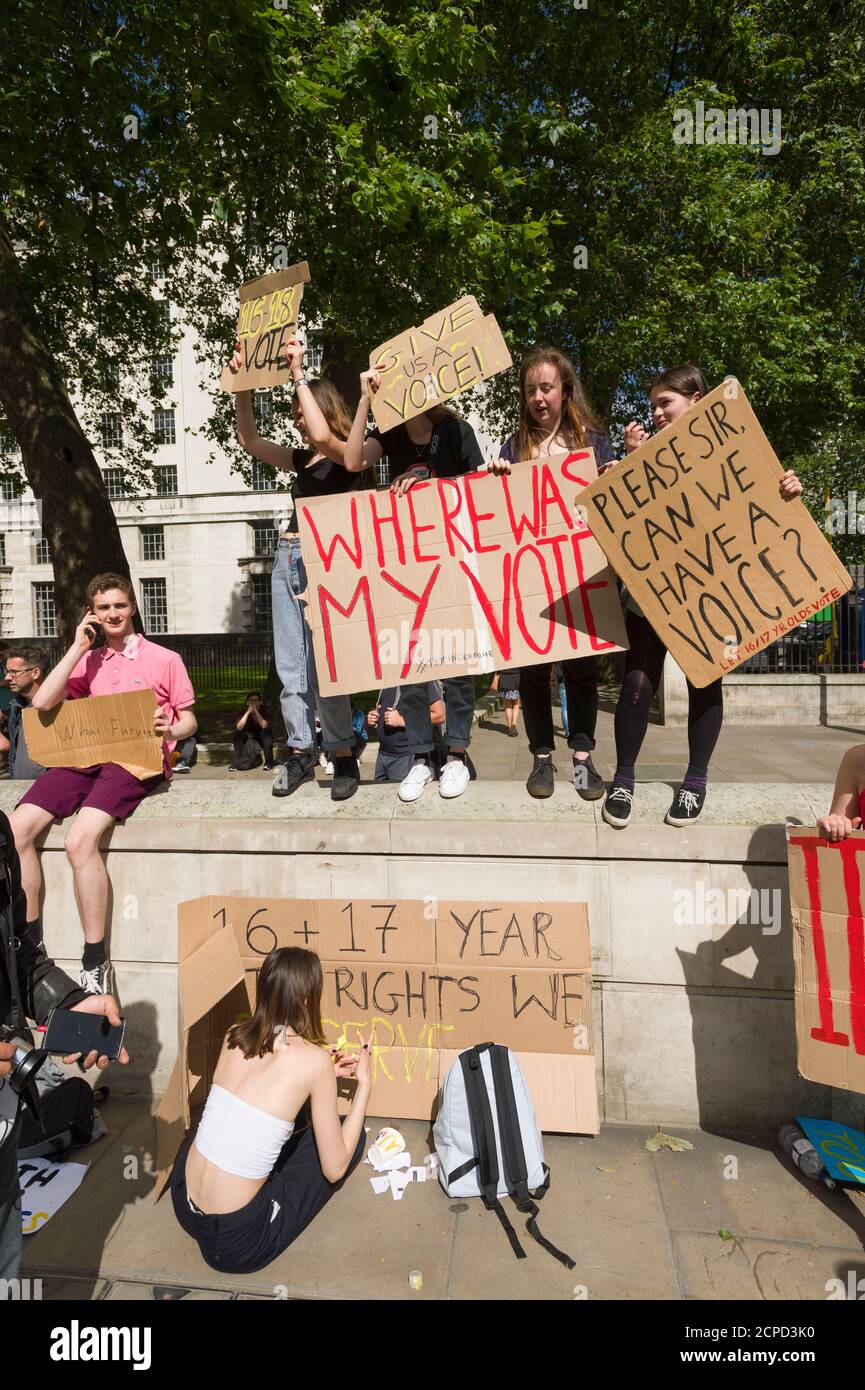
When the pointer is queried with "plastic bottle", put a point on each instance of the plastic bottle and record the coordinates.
(804, 1155)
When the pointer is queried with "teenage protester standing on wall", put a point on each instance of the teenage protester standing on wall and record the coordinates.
(322, 420)
(555, 416)
(434, 444)
(671, 394)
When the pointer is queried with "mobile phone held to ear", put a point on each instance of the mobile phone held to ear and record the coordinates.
(69, 1031)
(97, 632)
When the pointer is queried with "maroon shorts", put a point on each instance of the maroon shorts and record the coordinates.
(106, 787)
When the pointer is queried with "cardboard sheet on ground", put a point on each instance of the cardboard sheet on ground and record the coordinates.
(269, 309)
(827, 898)
(449, 352)
(841, 1148)
(97, 729)
(460, 576)
(423, 988)
(45, 1186)
(694, 523)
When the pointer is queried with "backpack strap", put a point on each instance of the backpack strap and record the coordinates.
(484, 1140)
(514, 1155)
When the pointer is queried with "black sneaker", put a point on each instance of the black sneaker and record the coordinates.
(99, 979)
(299, 767)
(617, 807)
(541, 781)
(686, 808)
(587, 780)
(346, 778)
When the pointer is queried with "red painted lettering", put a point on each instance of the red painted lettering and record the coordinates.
(326, 600)
(501, 631)
(327, 556)
(421, 600)
(477, 517)
(378, 522)
(518, 600)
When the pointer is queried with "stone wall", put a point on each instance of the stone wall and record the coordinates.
(694, 1016)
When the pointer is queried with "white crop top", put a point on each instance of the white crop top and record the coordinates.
(238, 1137)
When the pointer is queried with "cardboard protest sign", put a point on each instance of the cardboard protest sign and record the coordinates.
(269, 309)
(449, 352)
(45, 1186)
(694, 523)
(461, 575)
(841, 1148)
(827, 897)
(97, 729)
(420, 988)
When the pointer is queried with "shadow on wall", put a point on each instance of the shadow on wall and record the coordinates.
(739, 984)
(122, 1171)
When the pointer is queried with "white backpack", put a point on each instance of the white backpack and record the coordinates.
(488, 1141)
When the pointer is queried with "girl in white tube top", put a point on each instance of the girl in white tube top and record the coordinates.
(254, 1176)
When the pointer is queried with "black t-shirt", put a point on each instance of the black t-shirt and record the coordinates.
(452, 450)
(324, 479)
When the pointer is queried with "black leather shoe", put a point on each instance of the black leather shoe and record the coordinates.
(346, 778)
(299, 767)
(541, 781)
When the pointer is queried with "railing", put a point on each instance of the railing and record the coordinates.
(829, 644)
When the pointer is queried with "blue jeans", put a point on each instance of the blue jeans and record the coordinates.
(295, 660)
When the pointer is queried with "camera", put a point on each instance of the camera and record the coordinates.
(25, 1064)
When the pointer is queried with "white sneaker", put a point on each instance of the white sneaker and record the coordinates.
(412, 786)
(454, 778)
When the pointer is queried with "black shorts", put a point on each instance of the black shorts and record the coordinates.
(241, 1242)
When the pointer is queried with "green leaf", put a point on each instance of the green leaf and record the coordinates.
(668, 1141)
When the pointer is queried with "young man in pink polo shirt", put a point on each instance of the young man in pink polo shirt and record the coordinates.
(106, 792)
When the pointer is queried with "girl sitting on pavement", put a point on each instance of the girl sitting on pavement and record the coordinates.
(252, 1177)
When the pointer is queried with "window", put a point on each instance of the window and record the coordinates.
(166, 480)
(382, 472)
(262, 606)
(8, 442)
(110, 373)
(43, 604)
(156, 271)
(152, 542)
(112, 431)
(163, 427)
(115, 482)
(2, 549)
(262, 404)
(43, 552)
(263, 477)
(266, 537)
(314, 355)
(10, 488)
(162, 370)
(154, 605)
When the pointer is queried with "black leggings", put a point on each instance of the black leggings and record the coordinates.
(644, 663)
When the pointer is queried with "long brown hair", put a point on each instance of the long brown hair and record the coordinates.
(686, 380)
(577, 415)
(288, 996)
(332, 405)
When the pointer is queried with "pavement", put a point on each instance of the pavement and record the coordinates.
(730, 1219)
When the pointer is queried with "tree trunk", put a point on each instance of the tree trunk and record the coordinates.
(77, 519)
